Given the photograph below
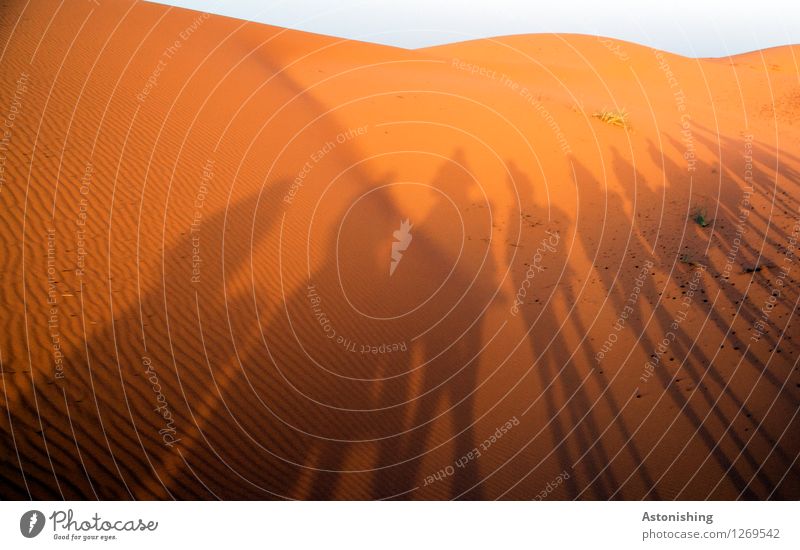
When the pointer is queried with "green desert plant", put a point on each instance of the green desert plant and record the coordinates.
(615, 117)
(687, 259)
(699, 216)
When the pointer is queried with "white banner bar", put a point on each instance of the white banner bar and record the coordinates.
(400, 525)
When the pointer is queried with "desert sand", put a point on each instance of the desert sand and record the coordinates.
(246, 262)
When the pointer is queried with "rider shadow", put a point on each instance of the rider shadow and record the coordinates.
(569, 416)
(384, 413)
(131, 445)
(451, 343)
(695, 363)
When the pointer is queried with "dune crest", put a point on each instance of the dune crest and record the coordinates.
(244, 262)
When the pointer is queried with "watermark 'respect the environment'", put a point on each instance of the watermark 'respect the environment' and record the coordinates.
(527, 94)
(168, 53)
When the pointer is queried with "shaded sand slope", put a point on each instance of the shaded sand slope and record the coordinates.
(197, 232)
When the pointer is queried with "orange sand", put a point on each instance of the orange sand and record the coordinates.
(197, 228)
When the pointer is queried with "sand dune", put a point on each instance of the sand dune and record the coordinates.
(208, 290)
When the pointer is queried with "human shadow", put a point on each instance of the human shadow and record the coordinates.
(695, 363)
(572, 416)
(396, 402)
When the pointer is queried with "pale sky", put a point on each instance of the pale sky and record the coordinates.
(697, 28)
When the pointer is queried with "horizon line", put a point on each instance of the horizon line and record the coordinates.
(459, 37)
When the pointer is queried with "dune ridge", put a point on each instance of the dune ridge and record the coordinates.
(200, 298)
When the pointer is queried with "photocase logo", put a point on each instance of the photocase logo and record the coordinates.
(402, 238)
(31, 524)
